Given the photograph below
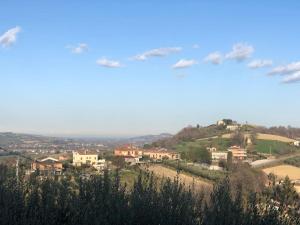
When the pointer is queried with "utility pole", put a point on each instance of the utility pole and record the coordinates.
(17, 169)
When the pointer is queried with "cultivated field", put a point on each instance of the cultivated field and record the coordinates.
(270, 137)
(188, 180)
(274, 138)
(284, 170)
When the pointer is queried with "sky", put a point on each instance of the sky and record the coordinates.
(126, 68)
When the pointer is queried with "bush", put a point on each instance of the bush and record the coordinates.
(197, 171)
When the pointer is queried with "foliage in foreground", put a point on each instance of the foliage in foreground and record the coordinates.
(103, 200)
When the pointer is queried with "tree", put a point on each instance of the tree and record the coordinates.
(238, 139)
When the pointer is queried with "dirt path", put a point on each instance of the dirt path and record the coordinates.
(188, 180)
(270, 162)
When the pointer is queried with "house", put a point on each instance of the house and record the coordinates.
(132, 160)
(221, 123)
(128, 150)
(100, 165)
(238, 153)
(47, 166)
(217, 156)
(297, 143)
(161, 153)
(63, 158)
(211, 149)
(232, 127)
(84, 157)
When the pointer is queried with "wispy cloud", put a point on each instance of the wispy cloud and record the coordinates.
(259, 63)
(196, 46)
(295, 77)
(214, 58)
(80, 48)
(109, 63)
(286, 69)
(181, 75)
(9, 37)
(158, 52)
(240, 52)
(184, 63)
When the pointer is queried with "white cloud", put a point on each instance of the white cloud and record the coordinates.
(109, 63)
(214, 58)
(184, 63)
(287, 69)
(240, 52)
(80, 48)
(158, 52)
(259, 63)
(9, 37)
(196, 46)
(295, 77)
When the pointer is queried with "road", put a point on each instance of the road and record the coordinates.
(267, 162)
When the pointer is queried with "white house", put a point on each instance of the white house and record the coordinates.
(84, 157)
(297, 143)
(232, 127)
(220, 123)
(217, 156)
(100, 165)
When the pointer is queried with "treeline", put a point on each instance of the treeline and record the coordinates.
(103, 200)
(290, 132)
(295, 161)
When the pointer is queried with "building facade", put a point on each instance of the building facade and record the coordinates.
(84, 158)
(217, 156)
(47, 166)
(161, 153)
(238, 153)
(128, 150)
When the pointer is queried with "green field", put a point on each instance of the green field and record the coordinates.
(221, 144)
(211, 175)
(273, 147)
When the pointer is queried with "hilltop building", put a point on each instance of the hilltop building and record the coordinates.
(297, 143)
(47, 166)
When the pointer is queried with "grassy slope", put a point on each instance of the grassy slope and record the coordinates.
(220, 143)
(275, 147)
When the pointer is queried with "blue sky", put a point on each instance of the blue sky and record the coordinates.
(113, 68)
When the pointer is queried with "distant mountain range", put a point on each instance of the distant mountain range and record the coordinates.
(9, 138)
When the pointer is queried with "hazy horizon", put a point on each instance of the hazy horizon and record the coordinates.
(114, 69)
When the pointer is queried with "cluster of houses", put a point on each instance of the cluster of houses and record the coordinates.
(52, 166)
(238, 153)
(133, 154)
